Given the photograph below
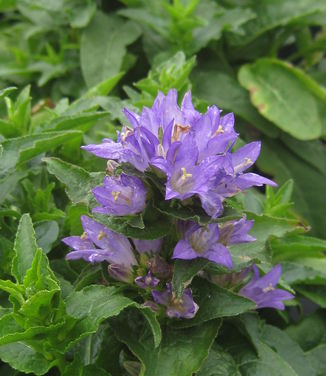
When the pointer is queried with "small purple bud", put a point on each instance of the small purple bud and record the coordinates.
(120, 273)
(147, 281)
(176, 307)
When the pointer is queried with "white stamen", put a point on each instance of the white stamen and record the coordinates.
(246, 162)
(115, 195)
(185, 175)
(268, 288)
(101, 235)
(83, 236)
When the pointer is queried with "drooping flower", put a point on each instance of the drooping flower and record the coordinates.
(147, 281)
(176, 307)
(202, 242)
(262, 290)
(146, 246)
(120, 195)
(98, 244)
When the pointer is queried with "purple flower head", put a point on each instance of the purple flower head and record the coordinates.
(146, 246)
(235, 232)
(120, 195)
(202, 242)
(147, 281)
(262, 290)
(176, 307)
(98, 244)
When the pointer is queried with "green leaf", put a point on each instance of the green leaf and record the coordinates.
(156, 225)
(208, 84)
(78, 181)
(24, 358)
(181, 352)
(103, 46)
(315, 293)
(25, 248)
(272, 14)
(286, 96)
(295, 246)
(92, 305)
(316, 357)
(22, 149)
(104, 87)
(8, 90)
(219, 363)
(309, 332)
(263, 228)
(304, 270)
(183, 273)
(309, 185)
(215, 302)
(278, 354)
(46, 233)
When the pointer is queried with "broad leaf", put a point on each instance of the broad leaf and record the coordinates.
(286, 96)
(103, 46)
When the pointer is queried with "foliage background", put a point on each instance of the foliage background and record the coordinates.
(67, 68)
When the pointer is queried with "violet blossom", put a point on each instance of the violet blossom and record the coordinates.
(262, 290)
(202, 242)
(176, 307)
(122, 195)
(147, 281)
(98, 244)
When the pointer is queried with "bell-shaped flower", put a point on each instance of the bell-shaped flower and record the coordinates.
(98, 244)
(122, 195)
(202, 242)
(176, 307)
(263, 291)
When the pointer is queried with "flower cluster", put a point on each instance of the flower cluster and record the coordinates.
(193, 152)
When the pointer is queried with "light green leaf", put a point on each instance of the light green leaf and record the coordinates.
(103, 46)
(22, 149)
(24, 358)
(286, 96)
(78, 181)
(309, 185)
(25, 248)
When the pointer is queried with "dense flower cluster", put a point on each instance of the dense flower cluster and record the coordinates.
(194, 153)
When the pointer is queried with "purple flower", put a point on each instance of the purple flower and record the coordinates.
(145, 246)
(98, 244)
(262, 290)
(202, 242)
(147, 281)
(235, 232)
(176, 307)
(120, 195)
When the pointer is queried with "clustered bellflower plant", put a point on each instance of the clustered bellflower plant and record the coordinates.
(178, 159)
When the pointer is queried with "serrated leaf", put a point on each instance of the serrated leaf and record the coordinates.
(25, 248)
(286, 96)
(24, 358)
(78, 181)
(22, 149)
